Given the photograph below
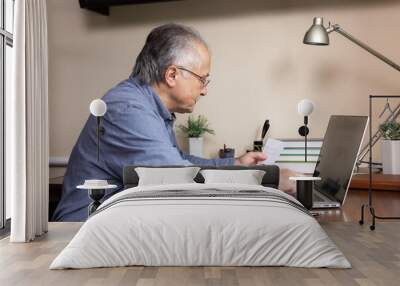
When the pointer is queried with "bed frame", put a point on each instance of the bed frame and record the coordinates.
(270, 179)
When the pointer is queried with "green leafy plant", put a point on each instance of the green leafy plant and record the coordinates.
(390, 130)
(196, 127)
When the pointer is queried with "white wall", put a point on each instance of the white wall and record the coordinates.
(260, 68)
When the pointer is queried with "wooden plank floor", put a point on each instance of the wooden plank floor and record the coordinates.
(374, 255)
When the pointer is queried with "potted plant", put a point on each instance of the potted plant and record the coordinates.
(196, 127)
(390, 147)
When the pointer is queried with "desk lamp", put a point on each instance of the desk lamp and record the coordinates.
(96, 188)
(319, 35)
(98, 108)
(305, 108)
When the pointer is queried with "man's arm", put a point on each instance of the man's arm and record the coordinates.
(208, 162)
(248, 159)
(135, 135)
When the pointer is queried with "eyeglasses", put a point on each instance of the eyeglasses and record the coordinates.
(203, 79)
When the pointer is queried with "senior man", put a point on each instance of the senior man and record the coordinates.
(170, 74)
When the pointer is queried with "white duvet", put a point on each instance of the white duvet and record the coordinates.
(183, 231)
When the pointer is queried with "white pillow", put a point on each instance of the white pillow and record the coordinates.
(249, 177)
(162, 176)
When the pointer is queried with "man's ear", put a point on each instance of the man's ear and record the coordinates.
(171, 75)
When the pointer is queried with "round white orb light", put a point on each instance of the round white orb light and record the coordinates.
(305, 107)
(98, 107)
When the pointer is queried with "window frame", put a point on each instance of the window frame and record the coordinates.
(6, 39)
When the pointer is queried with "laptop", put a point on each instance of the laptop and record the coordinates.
(337, 159)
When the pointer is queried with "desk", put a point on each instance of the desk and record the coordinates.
(379, 182)
(386, 194)
(386, 203)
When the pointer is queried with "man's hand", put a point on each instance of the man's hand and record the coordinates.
(250, 159)
(285, 184)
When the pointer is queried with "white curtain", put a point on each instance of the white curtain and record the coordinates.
(27, 142)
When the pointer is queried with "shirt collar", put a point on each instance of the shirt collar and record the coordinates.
(164, 112)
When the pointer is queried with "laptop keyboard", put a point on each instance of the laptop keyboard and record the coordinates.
(317, 198)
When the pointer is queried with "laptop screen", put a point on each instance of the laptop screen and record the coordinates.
(338, 155)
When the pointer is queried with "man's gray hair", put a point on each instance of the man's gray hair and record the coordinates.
(166, 45)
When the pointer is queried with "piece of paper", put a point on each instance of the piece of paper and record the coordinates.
(272, 149)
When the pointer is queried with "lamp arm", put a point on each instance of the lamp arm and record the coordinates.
(338, 29)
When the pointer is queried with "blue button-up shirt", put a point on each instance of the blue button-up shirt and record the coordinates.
(138, 130)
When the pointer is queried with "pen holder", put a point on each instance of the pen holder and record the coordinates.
(258, 145)
(227, 153)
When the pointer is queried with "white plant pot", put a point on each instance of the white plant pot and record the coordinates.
(196, 146)
(391, 156)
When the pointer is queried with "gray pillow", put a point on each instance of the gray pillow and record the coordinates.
(248, 177)
(162, 176)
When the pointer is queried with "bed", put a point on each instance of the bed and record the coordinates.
(201, 224)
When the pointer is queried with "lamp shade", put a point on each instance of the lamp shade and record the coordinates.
(317, 34)
(98, 107)
(305, 107)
